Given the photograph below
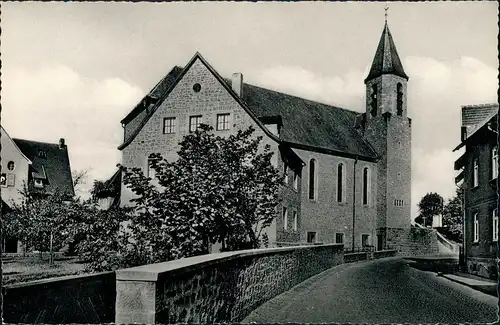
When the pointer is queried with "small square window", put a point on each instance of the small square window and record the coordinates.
(222, 122)
(169, 125)
(194, 123)
(339, 238)
(38, 183)
(365, 240)
(3, 180)
(311, 237)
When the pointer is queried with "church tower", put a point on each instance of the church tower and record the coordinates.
(388, 129)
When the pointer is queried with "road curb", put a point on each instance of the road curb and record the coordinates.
(489, 289)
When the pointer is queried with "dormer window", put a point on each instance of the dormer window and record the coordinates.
(38, 183)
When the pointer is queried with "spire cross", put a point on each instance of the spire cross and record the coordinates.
(386, 8)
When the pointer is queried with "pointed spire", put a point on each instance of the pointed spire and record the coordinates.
(386, 60)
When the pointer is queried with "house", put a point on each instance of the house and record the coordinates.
(39, 167)
(478, 168)
(348, 173)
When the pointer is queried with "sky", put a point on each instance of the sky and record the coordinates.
(74, 70)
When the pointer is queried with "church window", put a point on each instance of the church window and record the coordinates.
(400, 99)
(285, 172)
(295, 220)
(196, 87)
(374, 100)
(151, 171)
(285, 218)
(366, 186)
(341, 183)
(11, 165)
(495, 225)
(312, 179)
(475, 175)
(295, 180)
(494, 162)
(476, 228)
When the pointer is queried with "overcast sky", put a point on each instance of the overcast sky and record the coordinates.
(74, 70)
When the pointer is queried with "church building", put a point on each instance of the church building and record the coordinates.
(347, 175)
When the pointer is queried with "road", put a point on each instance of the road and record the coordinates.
(380, 291)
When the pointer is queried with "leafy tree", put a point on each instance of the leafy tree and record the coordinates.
(218, 190)
(453, 215)
(39, 221)
(430, 205)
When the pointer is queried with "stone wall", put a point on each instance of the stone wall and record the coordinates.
(70, 299)
(222, 287)
(413, 241)
(355, 257)
(324, 215)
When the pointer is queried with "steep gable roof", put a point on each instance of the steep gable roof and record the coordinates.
(306, 124)
(474, 118)
(309, 124)
(197, 56)
(53, 165)
(159, 91)
(386, 60)
(5, 134)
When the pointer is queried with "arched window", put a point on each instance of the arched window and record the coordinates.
(341, 183)
(399, 99)
(374, 101)
(366, 185)
(312, 179)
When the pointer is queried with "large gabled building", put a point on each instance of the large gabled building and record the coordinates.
(478, 174)
(349, 174)
(38, 167)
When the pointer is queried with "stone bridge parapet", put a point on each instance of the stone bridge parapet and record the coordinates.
(223, 287)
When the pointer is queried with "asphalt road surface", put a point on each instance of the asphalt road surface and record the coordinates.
(381, 291)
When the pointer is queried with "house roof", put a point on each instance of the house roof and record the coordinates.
(386, 60)
(157, 103)
(305, 123)
(308, 123)
(159, 91)
(475, 117)
(53, 166)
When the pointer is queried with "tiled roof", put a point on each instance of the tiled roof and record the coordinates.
(386, 60)
(475, 117)
(306, 123)
(158, 91)
(53, 163)
(309, 123)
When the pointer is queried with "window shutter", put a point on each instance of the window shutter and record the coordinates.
(11, 179)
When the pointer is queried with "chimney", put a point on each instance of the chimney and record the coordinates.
(237, 83)
(61, 143)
